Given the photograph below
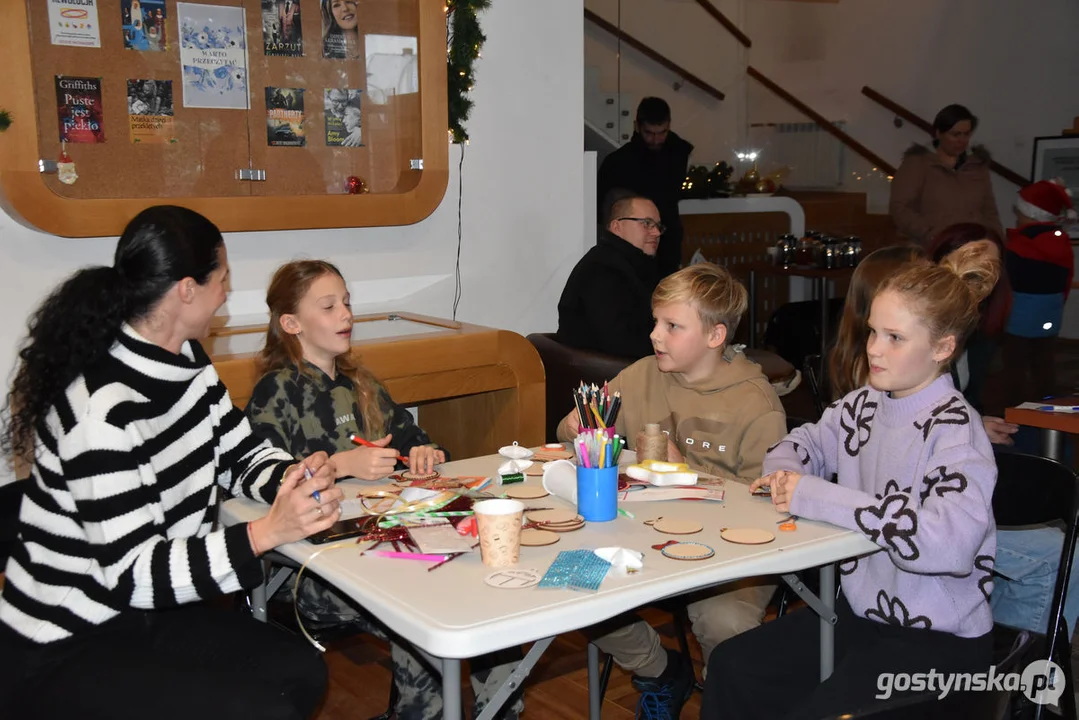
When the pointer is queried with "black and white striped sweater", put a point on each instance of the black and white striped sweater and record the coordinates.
(118, 511)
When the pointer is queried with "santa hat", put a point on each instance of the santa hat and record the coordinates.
(1045, 201)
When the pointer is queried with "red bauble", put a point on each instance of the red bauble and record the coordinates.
(355, 185)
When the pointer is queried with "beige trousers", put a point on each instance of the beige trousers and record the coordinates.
(637, 649)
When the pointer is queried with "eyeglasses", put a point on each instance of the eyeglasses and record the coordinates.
(649, 224)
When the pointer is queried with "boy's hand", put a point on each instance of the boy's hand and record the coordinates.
(674, 455)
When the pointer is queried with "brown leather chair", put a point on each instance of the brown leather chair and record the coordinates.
(566, 367)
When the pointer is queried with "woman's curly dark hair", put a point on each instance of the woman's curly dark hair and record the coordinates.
(77, 324)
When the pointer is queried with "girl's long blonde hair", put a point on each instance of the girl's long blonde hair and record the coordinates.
(287, 288)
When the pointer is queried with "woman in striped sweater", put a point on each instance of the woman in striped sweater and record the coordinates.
(131, 432)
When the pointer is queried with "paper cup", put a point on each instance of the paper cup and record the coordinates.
(560, 479)
(499, 523)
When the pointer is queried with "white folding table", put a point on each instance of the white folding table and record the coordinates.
(450, 614)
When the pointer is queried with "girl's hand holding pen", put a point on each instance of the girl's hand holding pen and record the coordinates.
(296, 513)
(374, 460)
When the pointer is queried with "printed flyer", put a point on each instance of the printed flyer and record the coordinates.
(74, 23)
(284, 117)
(213, 52)
(149, 111)
(79, 109)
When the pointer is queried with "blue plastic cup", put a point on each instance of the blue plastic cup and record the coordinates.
(597, 493)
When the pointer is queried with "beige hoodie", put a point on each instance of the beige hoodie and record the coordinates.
(722, 425)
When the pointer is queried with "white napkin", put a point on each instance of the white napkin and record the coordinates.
(623, 560)
(514, 466)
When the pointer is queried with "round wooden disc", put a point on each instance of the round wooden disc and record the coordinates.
(558, 516)
(407, 475)
(532, 537)
(514, 578)
(524, 492)
(688, 551)
(562, 527)
(676, 526)
(747, 536)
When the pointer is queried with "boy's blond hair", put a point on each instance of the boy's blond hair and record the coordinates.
(718, 297)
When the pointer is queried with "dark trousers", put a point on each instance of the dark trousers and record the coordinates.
(773, 672)
(1029, 368)
(192, 662)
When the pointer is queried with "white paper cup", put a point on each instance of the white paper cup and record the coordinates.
(560, 479)
(499, 524)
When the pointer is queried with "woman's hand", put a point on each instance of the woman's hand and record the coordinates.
(423, 458)
(368, 463)
(999, 432)
(295, 513)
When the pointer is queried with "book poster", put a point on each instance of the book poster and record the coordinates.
(144, 25)
(213, 52)
(79, 109)
(149, 111)
(284, 117)
(282, 34)
(342, 117)
(341, 31)
(74, 23)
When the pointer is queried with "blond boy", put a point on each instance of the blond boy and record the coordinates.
(721, 415)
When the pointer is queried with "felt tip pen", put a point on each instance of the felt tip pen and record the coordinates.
(406, 555)
(1059, 408)
(307, 476)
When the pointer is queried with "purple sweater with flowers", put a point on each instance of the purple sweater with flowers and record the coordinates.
(915, 476)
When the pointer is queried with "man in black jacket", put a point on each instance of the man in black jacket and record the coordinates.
(653, 164)
(606, 305)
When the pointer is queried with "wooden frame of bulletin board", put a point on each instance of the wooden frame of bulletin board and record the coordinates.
(405, 197)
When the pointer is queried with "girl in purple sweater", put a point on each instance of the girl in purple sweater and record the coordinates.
(915, 474)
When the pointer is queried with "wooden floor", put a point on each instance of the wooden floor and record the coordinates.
(556, 688)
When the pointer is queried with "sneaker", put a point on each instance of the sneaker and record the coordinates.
(662, 697)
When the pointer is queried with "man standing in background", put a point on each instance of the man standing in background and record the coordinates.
(654, 164)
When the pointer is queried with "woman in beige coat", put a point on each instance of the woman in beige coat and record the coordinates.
(936, 188)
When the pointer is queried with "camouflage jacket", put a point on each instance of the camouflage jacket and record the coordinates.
(307, 412)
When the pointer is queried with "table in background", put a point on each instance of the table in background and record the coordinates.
(451, 614)
(820, 275)
(1052, 424)
(477, 388)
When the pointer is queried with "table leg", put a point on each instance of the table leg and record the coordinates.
(516, 678)
(451, 689)
(752, 308)
(827, 629)
(1053, 444)
(823, 290)
(259, 597)
(594, 700)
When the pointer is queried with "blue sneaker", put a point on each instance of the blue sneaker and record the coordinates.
(662, 697)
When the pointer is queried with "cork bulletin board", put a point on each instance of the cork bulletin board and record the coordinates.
(194, 156)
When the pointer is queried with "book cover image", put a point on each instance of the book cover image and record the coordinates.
(149, 111)
(74, 23)
(213, 53)
(341, 30)
(342, 106)
(284, 117)
(79, 109)
(144, 25)
(282, 33)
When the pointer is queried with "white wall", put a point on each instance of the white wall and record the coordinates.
(684, 33)
(523, 209)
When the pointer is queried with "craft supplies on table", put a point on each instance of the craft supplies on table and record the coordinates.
(576, 570)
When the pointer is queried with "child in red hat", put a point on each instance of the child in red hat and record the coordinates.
(1039, 261)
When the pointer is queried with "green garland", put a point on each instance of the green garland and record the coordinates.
(464, 48)
(5, 120)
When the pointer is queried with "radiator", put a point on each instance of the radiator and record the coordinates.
(815, 158)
